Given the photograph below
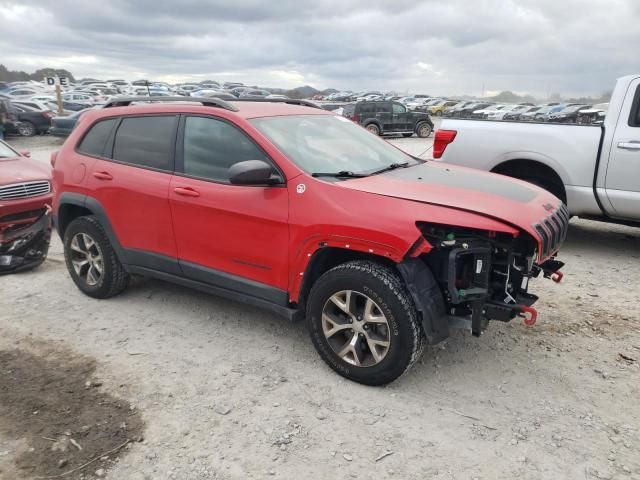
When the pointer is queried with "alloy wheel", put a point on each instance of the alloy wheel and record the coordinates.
(26, 129)
(356, 328)
(87, 259)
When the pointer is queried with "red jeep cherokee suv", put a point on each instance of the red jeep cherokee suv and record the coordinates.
(291, 208)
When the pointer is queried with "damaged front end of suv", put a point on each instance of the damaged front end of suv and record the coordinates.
(482, 275)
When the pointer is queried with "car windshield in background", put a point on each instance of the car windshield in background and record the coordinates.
(327, 143)
(6, 151)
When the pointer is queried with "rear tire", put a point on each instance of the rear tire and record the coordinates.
(91, 260)
(423, 129)
(373, 128)
(377, 314)
(27, 129)
(439, 113)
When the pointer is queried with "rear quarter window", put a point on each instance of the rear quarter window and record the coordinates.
(95, 140)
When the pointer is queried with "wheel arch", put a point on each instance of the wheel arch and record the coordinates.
(323, 260)
(73, 205)
(369, 121)
(522, 168)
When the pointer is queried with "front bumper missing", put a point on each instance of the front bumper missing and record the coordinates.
(26, 247)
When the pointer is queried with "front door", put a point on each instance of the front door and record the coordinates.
(230, 236)
(623, 170)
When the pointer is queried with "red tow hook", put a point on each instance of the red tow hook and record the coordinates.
(530, 320)
(557, 276)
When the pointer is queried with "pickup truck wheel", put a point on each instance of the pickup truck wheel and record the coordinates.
(439, 113)
(363, 323)
(373, 128)
(91, 260)
(26, 129)
(424, 129)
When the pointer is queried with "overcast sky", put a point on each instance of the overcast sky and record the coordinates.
(437, 47)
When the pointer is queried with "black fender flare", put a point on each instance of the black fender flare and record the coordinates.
(96, 209)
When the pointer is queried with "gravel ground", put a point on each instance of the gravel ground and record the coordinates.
(227, 391)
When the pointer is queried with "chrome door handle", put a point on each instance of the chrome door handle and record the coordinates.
(629, 145)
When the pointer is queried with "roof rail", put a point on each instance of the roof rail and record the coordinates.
(205, 101)
(290, 101)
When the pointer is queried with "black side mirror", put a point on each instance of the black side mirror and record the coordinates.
(252, 172)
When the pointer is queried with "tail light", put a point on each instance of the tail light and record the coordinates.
(441, 140)
(355, 117)
(47, 115)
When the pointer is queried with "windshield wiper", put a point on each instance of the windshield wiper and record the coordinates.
(340, 174)
(393, 166)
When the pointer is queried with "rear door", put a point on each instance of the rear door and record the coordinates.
(384, 116)
(131, 183)
(401, 119)
(623, 170)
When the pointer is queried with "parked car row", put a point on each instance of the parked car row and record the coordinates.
(527, 112)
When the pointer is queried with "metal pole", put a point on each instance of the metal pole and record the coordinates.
(59, 98)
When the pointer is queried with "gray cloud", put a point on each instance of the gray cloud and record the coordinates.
(569, 46)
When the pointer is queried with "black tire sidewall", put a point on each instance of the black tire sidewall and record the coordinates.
(377, 129)
(419, 128)
(31, 126)
(401, 332)
(84, 225)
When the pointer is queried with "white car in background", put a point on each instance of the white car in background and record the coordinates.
(43, 98)
(484, 112)
(77, 97)
(22, 92)
(508, 109)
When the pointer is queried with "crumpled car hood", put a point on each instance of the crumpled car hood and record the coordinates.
(511, 201)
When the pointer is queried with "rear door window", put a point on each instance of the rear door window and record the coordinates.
(95, 141)
(146, 141)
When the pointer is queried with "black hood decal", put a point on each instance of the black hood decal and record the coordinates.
(466, 180)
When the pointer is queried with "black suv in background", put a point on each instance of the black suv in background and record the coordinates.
(385, 117)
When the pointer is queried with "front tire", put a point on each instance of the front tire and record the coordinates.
(423, 129)
(91, 260)
(363, 323)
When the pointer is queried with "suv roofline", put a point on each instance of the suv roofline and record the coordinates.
(205, 101)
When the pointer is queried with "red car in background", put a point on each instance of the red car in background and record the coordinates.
(25, 206)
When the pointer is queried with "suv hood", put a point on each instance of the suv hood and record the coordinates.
(511, 201)
(22, 169)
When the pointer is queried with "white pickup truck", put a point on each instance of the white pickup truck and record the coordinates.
(595, 170)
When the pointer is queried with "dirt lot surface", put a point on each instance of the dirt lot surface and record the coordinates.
(226, 391)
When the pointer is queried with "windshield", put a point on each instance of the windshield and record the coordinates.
(328, 143)
(6, 151)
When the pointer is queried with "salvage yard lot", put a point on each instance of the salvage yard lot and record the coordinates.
(226, 391)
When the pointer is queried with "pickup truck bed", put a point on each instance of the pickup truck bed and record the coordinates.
(571, 151)
(594, 169)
